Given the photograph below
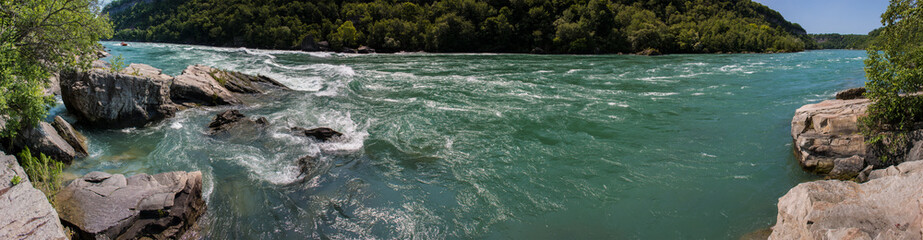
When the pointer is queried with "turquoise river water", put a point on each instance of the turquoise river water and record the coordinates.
(490, 146)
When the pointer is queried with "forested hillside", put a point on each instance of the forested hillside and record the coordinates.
(847, 41)
(550, 26)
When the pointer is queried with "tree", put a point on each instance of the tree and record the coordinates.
(37, 38)
(895, 75)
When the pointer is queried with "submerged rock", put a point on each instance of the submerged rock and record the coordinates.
(321, 134)
(45, 139)
(888, 206)
(826, 135)
(117, 100)
(110, 206)
(71, 136)
(233, 120)
(24, 211)
(197, 85)
(307, 166)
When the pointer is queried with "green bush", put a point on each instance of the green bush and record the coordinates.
(44, 172)
(117, 64)
(895, 78)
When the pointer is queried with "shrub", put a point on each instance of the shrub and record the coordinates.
(44, 172)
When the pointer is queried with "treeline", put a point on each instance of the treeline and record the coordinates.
(845, 41)
(551, 26)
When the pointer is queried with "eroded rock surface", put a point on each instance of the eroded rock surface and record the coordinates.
(197, 85)
(24, 211)
(826, 135)
(45, 139)
(888, 206)
(111, 206)
(71, 136)
(116, 100)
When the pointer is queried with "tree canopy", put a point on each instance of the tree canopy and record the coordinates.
(37, 38)
(553, 26)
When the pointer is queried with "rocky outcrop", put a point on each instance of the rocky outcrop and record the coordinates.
(852, 93)
(888, 206)
(24, 211)
(197, 85)
(232, 121)
(71, 136)
(365, 50)
(111, 206)
(135, 97)
(45, 139)
(321, 134)
(827, 138)
(243, 83)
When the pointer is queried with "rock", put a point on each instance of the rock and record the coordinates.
(308, 44)
(852, 93)
(102, 53)
(827, 133)
(71, 136)
(45, 139)
(649, 52)
(117, 100)
(847, 168)
(233, 119)
(197, 85)
(365, 50)
(101, 65)
(106, 206)
(24, 211)
(323, 46)
(144, 70)
(321, 134)
(886, 207)
(349, 50)
(537, 50)
(235, 82)
(54, 86)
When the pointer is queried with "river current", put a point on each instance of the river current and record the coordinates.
(490, 146)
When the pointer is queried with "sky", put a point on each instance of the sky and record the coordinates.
(831, 16)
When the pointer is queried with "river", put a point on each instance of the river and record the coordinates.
(490, 146)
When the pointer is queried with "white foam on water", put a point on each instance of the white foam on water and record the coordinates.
(619, 104)
(659, 94)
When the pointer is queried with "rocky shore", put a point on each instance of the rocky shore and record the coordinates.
(865, 198)
(100, 205)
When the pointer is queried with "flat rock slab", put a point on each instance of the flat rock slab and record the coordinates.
(102, 205)
(24, 211)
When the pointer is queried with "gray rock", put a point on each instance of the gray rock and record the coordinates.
(197, 85)
(24, 211)
(321, 134)
(117, 100)
(847, 168)
(45, 139)
(365, 50)
(886, 207)
(71, 136)
(106, 206)
(54, 86)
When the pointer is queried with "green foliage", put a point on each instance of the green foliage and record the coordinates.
(16, 180)
(44, 172)
(37, 38)
(117, 63)
(895, 77)
(560, 26)
(838, 41)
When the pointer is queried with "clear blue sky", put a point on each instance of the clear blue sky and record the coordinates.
(831, 16)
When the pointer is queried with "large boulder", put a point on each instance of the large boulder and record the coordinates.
(45, 139)
(24, 211)
(110, 206)
(140, 94)
(827, 134)
(889, 206)
(198, 85)
(71, 136)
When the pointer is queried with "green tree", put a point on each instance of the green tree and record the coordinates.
(895, 76)
(38, 38)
